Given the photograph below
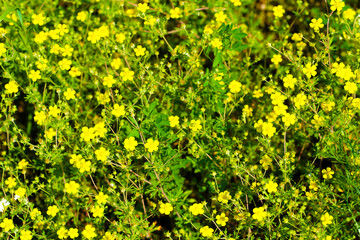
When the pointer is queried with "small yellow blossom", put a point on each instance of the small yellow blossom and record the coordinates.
(11, 87)
(327, 173)
(175, 13)
(7, 224)
(316, 24)
(195, 125)
(69, 94)
(326, 219)
(196, 209)
(259, 214)
(142, 7)
(206, 231)
(73, 233)
(235, 86)
(72, 187)
(276, 59)
(165, 208)
(221, 219)
(174, 121)
(130, 144)
(279, 11)
(152, 145)
(52, 210)
(271, 186)
(224, 197)
(139, 51)
(102, 154)
(118, 110)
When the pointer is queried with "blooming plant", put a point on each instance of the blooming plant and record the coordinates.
(179, 119)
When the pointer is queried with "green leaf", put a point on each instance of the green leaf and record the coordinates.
(217, 60)
(240, 47)
(151, 108)
(134, 133)
(239, 36)
(18, 12)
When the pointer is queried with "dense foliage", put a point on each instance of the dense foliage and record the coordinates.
(228, 119)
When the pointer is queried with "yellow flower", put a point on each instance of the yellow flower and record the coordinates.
(35, 213)
(2, 49)
(174, 121)
(327, 173)
(175, 13)
(11, 87)
(350, 87)
(289, 119)
(118, 110)
(65, 64)
(220, 17)
(89, 232)
(10, 182)
(120, 37)
(127, 74)
(165, 208)
(348, 14)
(326, 219)
(152, 145)
(52, 210)
(54, 111)
(150, 21)
(7, 224)
(38, 19)
(101, 198)
(40, 117)
(130, 144)
(206, 231)
(276, 59)
(336, 5)
(259, 214)
(20, 192)
(62, 233)
(300, 100)
(309, 70)
(195, 125)
(72, 187)
(318, 121)
(224, 197)
(25, 235)
(69, 94)
(268, 129)
(81, 16)
(271, 186)
(34, 75)
(116, 63)
(235, 86)
(221, 219)
(216, 43)
(142, 7)
(236, 3)
(279, 11)
(109, 81)
(197, 208)
(73, 233)
(289, 81)
(316, 24)
(97, 211)
(102, 154)
(139, 51)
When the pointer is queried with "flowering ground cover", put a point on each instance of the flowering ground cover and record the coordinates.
(228, 119)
